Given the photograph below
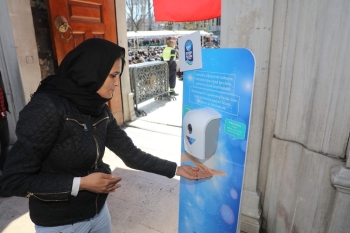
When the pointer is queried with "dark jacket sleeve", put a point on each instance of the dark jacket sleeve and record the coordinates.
(133, 157)
(36, 130)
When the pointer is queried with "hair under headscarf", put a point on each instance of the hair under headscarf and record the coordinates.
(82, 72)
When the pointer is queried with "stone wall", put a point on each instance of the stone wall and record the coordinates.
(300, 121)
(311, 114)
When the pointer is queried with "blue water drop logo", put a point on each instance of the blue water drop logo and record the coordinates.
(189, 52)
(190, 140)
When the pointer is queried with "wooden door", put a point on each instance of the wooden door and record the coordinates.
(87, 19)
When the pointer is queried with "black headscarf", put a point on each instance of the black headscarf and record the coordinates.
(82, 72)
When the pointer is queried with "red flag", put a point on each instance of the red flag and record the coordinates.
(186, 10)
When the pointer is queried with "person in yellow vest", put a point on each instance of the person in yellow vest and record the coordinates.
(169, 55)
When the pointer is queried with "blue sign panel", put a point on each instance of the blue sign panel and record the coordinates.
(216, 112)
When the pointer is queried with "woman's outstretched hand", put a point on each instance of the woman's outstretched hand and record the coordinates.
(99, 182)
(193, 173)
(187, 157)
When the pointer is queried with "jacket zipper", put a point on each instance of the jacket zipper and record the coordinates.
(96, 203)
(97, 154)
(96, 168)
(94, 124)
(84, 125)
(33, 194)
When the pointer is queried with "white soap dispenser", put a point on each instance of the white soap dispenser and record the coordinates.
(201, 131)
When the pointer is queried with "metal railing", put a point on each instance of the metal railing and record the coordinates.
(149, 80)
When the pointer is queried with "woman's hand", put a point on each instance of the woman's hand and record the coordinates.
(187, 157)
(212, 171)
(99, 182)
(193, 173)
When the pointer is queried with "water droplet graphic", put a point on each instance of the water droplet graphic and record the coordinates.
(233, 194)
(227, 214)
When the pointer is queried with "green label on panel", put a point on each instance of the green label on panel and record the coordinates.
(236, 129)
(186, 109)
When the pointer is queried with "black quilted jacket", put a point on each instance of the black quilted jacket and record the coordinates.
(57, 143)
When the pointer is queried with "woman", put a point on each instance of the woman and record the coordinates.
(62, 134)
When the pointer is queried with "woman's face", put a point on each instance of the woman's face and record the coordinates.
(112, 80)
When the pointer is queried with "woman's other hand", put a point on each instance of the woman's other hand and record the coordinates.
(100, 183)
(193, 173)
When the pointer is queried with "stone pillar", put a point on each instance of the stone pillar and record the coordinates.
(340, 178)
(128, 110)
(26, 50)
(248, 24)
(132, 116)
(250, 212)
